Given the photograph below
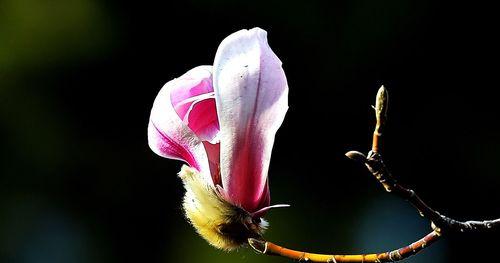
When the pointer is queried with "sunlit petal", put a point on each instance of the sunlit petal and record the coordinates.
(251, 94)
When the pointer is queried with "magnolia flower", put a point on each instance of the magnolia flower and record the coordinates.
(221, 121)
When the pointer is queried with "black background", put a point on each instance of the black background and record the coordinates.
(78, 182)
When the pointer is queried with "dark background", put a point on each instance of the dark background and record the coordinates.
(78, 182)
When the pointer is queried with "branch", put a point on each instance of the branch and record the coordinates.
(376, 166)
(373, 161)
(269, 248)
(378, 169)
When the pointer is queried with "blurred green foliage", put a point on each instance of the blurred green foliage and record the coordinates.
(42, 33)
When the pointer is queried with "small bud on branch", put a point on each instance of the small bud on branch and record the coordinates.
(381, 105)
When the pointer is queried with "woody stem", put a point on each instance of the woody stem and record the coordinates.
(269, 248)
(373, 161)
(375, 164)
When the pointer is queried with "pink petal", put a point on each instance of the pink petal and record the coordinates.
(166, 145)
(202, 119)
(213, 153)
(168, 135)
(251, 93)
(193, 100)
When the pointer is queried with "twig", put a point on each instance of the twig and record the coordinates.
(268, 248)
(375, 164)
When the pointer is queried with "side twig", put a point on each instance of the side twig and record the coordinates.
(373, 161)
(378, 169)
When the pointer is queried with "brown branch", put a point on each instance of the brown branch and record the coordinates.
(375, 164)
(378, 169)
(268, 248)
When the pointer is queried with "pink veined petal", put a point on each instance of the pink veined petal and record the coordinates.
(168, 135)
(264, 201)
(202, 119)
(169, 147)
(194, 101)
(251, 93)
(213, 153)
(194, 83)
